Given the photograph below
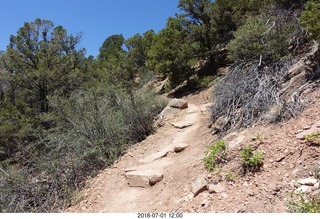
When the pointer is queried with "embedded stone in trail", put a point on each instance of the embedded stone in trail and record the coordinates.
(180, 147)
(182, 124)
(167, 112)
(218, 188)
(143, 178)
(155, 156)
(178, 103)
(199, 185)
(308, 181)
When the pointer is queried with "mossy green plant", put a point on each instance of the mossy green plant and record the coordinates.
(215, 155)
(251, 160)
(313, 138)
(304, 203)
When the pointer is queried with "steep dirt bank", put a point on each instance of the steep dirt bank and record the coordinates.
(287, 159)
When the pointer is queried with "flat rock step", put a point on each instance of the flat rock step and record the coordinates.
(156, 156)
(182, 124)
(143, 178)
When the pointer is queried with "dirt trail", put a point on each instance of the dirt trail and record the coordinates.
(287, 159)
(109, 192)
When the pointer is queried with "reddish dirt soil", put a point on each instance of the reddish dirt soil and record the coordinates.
(286, 159)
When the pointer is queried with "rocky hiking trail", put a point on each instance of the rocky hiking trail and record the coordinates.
(165, 172)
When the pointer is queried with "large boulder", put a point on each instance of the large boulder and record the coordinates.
(167, 112)
(178, 103)
(143, 178)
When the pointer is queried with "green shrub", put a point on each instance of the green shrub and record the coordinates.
(205, 81)
(310, 18)
(215, 155)
(251, 160)
(15, 128)
(258, 138)
(230, 176)
(316, 173)
(313, 138)
(247, 40)
(303, 203)
(88, 131)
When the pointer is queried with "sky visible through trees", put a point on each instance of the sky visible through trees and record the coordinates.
(97, 19)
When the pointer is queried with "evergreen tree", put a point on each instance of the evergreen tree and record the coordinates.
(310, 18)
(41, 60)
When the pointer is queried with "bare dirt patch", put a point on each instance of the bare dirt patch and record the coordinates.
(287, 159)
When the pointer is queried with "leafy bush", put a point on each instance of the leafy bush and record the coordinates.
(303, 203)
(230, 176)
(310, 18)
(205, 81)
(316, 173)
(251, 160)
(313, 138)
(215, 155)
(87, 132)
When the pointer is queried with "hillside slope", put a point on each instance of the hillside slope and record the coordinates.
(287, 159)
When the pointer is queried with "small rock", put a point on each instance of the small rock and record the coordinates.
(245, 184)
(224, 195)
(317, 124)
(182, 124)
(303, 189)
(236, 141)
(204, 203)
(307, 127)
(178, 103)
(131, 155)
(199, 185)
(307, 181)
(316, 186)
(218, 188)
(155, 156)
(180, 147)
(220, 123)
(250, 192)
(280, 158)
(307, 132)
(292, 184)
(315, 194)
